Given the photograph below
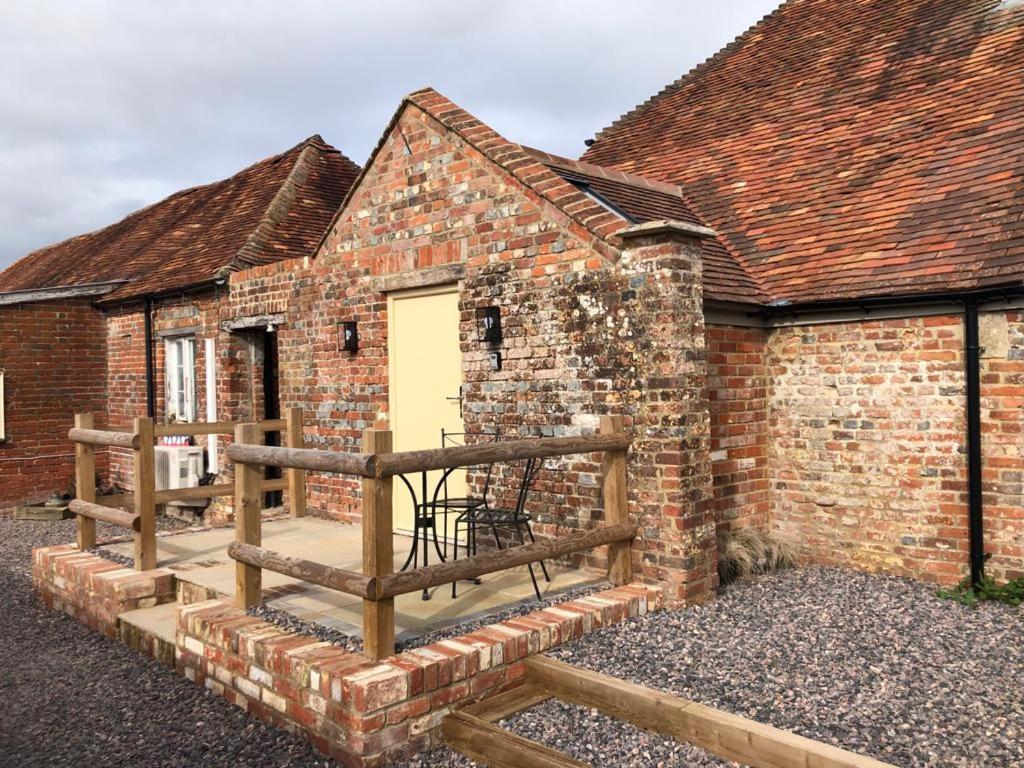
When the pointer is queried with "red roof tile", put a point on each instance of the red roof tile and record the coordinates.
(273, 210)
(850, 149)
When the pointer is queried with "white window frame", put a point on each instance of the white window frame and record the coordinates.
(180, 378)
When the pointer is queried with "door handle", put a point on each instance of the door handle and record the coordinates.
(459, 398)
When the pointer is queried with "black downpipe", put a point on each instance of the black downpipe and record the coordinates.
(976, 527)
(150, 375)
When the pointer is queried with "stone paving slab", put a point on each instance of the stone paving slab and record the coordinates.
(201, 558)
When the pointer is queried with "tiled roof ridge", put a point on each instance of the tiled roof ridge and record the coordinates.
(516, 160)
(680, 82)
(249, 255)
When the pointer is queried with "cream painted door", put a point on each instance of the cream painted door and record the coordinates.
(425, 367)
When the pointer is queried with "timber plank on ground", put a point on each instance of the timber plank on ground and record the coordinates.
(472, 731)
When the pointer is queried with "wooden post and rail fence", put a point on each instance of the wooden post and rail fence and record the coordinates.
(377, 465)
(144, 497)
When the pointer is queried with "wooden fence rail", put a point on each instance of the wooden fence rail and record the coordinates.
(349, 582)
(105, 514)
(102, 437)
(143, 499)
(377, 465)
(502, 559)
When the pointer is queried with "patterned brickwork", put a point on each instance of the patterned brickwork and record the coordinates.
(363, 713)
(867, 453)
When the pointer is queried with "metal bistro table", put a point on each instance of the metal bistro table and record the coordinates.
(425, 510)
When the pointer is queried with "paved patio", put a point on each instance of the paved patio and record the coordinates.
(201, 558)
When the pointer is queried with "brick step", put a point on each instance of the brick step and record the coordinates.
(190, 592)
(150, 631)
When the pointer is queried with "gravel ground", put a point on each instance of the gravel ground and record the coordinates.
(71, 697)
(875, 664)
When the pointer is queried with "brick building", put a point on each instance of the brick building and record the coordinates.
(774, 270)
(75, 317)
(863, 164)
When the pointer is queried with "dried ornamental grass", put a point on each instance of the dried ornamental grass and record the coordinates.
(748, 552)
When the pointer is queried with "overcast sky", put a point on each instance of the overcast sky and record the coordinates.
(108, 106)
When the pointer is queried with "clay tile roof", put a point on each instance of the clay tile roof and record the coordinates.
(851, 149)
(644, 200)
(273, 210)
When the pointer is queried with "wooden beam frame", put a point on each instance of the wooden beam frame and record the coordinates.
(302, 458)
(197, 428)
(390, 464)
(85, 482)
(106, 514)
(502, 559)
(491, 745)
(144, 486)
(472, 732)
(495, 452)
(378, 551)
(248, 525)
(294, 438)
(91, 436)
(616, 509)
(349, 582)
(726, 735)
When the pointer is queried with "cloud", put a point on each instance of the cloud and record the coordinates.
(109, 106)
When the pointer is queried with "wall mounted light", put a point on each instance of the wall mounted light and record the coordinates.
(350, 336)
(490, 324)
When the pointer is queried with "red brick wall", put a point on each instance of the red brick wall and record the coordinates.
(867, 453)
(53, 356)
(738, 401)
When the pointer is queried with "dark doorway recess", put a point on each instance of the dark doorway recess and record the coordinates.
(271, 407)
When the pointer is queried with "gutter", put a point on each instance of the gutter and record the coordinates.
(150, 372)
(975, 505)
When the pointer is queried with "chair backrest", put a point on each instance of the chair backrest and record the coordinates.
(531, 471)
(450, 439)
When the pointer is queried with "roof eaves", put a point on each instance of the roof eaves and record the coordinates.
(33, 295)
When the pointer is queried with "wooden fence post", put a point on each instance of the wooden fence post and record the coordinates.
(616, 509)
(296, 477)
(85, 482)
(145, 500)
(248, 530)
(378, 551)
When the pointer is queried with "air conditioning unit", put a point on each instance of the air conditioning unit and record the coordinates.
(179, 466)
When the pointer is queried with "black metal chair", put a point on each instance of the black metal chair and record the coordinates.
(444, 504)
(515, 520)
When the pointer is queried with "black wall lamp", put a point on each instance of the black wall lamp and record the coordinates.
(350, 336)
(490, 325)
